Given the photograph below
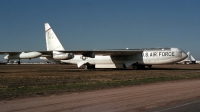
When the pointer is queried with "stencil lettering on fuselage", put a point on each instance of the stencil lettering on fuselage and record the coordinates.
(157, 54)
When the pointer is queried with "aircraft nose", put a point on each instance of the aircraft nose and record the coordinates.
(184, 55)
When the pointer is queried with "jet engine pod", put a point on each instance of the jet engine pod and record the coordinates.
(64, 56)
(30, 55)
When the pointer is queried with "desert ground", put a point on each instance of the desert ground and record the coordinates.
(67, 88)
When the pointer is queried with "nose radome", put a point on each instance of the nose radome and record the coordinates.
(184, 55)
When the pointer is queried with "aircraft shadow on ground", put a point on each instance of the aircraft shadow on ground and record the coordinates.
(172, 69)
(112, 69)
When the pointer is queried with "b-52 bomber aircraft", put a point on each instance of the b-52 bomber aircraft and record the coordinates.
(117, 58)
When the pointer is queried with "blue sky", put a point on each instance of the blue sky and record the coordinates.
(101, 24)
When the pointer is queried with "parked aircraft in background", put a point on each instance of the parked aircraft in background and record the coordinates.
(117, 58)
(2, 63)
(189, 60)
(197, 61)
(21, 55)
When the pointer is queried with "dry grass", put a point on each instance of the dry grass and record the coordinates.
(32, 80)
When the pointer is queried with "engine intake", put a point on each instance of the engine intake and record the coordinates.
(63, 56)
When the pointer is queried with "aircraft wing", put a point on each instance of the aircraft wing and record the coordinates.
(7, 52)
(87, 53)
(18, 52)
(24, 54)
(105, 52)
(79, 52)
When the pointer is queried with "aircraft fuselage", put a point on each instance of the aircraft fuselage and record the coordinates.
(147, 57)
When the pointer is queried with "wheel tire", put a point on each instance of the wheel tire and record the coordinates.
(150, 66)
(135, 67)
(85, 67)
(142, 67)
(92, 66)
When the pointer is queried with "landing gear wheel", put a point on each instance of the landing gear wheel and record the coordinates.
(85, 67)
(142, 67)
(18, 63)
(7, 61)
(92, 66)
(88, 66)
(150, 66)
(135, 67)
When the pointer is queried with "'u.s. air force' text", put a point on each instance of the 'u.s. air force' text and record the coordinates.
(156, 54)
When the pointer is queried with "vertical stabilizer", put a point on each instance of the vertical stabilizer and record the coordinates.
(192, 58)
(188, 58)
(52, 41)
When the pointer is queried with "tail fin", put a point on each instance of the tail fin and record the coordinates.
(52, 41)
(190, 57)
(188, 53)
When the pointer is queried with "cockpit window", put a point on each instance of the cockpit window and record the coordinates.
(177, 49)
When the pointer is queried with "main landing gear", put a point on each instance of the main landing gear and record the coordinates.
(137, 66)
(89, 66)
(18, 62)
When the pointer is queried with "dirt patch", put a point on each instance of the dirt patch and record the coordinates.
(122, 99)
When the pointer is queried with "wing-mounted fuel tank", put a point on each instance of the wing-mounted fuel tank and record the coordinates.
(62, 56)
(23, 55)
